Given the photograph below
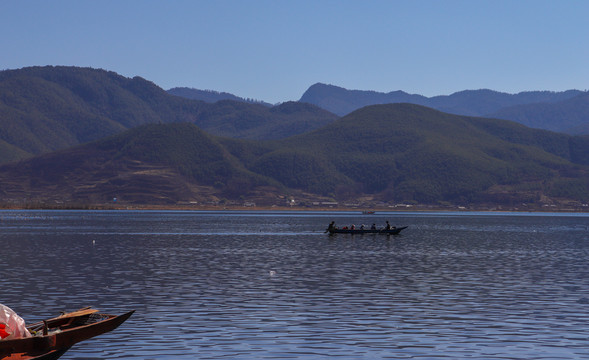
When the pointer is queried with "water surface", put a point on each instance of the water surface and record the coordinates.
(254, 285)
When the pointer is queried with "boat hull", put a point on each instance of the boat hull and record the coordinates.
(394, 231)
(62, 334)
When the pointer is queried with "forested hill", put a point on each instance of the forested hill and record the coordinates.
(211, 96)
(570, 116)
(149, 164)
(409, 152)
(43, 109)
(557, 111)
(383, 154)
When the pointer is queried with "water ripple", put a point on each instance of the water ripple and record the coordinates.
(214, 286)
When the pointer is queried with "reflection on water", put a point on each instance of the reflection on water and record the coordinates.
(266, 285)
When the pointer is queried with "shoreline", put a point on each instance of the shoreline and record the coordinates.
(374, 211)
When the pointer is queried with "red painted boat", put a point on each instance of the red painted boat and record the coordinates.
(53, 337)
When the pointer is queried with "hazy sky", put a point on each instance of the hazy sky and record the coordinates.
(274, 50)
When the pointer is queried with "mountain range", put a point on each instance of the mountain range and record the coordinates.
(44, 109)
(566, 111)
(87, 136)
(211, 96)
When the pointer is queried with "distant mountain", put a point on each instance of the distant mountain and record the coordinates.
(211, 96)
(43, 109)
(248, 121)
(342, 101)
(569, 116)
(384, 153)
(485, 103)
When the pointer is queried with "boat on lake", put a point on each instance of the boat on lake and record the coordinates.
(392, 231)
(49, 339)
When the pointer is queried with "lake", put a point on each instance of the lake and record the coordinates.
(273, 285)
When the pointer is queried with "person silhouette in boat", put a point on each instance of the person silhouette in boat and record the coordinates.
(389, 227)
(331, 226)
(373, 227)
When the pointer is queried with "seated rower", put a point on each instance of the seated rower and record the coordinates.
(331, 226)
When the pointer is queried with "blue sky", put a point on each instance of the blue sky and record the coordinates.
(274, 50)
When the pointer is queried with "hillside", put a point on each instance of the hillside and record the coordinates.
(556, 111)
(210, 96)
(342, 101)
(249, 121)
(150, 164)
(404, 152)
(43, 109)
(382, 154)
(569, 116)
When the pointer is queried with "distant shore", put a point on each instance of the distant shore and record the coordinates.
(135, 207)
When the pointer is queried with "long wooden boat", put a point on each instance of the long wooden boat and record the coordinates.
(53, 337)
(393, 231)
